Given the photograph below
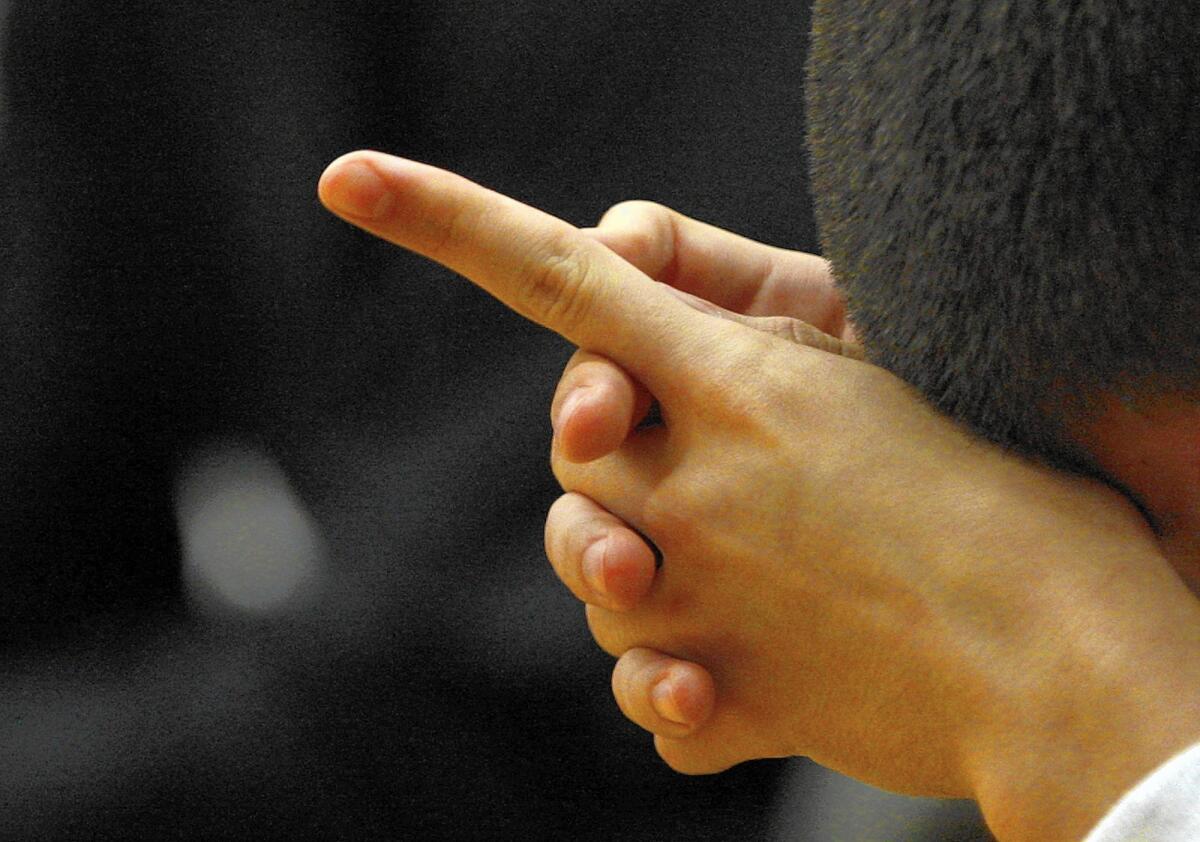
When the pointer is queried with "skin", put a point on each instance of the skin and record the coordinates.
(1039, 656)
(1153, 449)
(1150, 449)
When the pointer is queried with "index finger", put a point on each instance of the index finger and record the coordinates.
(538, 265)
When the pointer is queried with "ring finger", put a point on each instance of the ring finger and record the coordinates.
(596, 555)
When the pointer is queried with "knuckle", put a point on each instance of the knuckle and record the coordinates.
(734, 360)
(689, 756)
(591, 370)
(571, 476)
(636, 213)
(601, 630)
(578, 358)
(642, 233)
(675, 753)
(620, 683)
(557, 530)
(559, 467)
(559, 287)
(622, 695)
(753, 372)
(671, 753)
(637, 245)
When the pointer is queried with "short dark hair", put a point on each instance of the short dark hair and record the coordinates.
(1007, 191)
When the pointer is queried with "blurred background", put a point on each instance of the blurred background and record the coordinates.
(272, 491)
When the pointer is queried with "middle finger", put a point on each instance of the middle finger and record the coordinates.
(595, 407)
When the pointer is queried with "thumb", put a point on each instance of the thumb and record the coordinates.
(793, 330)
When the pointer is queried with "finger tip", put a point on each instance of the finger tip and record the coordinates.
(592, 429)
(324, 183)
(684, 755)
(353, 186)
(693, 692)
(335, 168)
(663, 700)
(684, 696)
(631, 569)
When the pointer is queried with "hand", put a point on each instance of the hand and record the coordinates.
(611, 567)
(597, 405)
(839, 618)
(789, 293)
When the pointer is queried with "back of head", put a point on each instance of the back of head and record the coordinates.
(1007, 192)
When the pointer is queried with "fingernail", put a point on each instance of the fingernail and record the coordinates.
(593, 565)
(663, 701)
(353, 188)
(570, 402)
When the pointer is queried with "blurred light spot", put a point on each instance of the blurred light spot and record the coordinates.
(249, 544)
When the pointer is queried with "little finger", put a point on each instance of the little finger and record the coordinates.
(662, 694)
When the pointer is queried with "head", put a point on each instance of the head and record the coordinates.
(1007, 191)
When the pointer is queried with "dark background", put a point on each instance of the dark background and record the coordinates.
(169, 280)
(196, 355)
